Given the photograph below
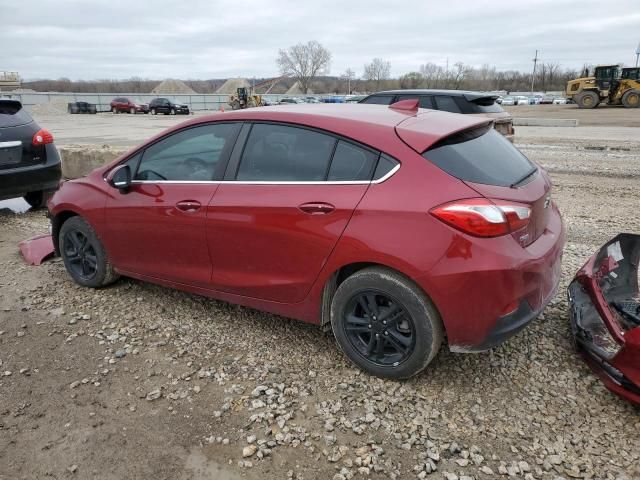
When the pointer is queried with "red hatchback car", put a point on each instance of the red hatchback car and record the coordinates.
(393, 226)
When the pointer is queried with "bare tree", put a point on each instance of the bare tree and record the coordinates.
(304, 62)
(431, 74)
(349, 75)
(377, 71)
(411, 80)
(458, 74)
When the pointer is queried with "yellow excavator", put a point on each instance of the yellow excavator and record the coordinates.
(608, 85)
(244, 99)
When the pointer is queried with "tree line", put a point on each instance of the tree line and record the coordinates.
(308, 65)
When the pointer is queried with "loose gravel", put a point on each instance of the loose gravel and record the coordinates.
(139, 381)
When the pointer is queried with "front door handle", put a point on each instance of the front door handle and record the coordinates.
(317, 208)
(188, 205)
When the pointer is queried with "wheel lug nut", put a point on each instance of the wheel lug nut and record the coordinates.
(377, 335)
(369, 325)
(384, 322)
(386, 333)
(374, 317)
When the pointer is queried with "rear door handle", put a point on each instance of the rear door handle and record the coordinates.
(317, 208)
(188, 205)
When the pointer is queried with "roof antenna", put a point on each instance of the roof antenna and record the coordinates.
(410, 105)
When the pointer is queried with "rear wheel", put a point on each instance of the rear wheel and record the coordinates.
(385, 324)
(631, 99)
(83, 254)
(132, 111)
(173, 111)
(588, 99)
(153, 111)
(114, 110)
(37, 199)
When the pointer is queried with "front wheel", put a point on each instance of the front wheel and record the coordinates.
(173, 111)
(588, 99)
(83, 254)
(132, 111)
(153, 111)
(385, 324)
(631, 99)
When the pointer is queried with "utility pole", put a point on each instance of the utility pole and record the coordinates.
(533, 75)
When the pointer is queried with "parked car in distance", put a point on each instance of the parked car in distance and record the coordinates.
(354, 98)
(82, 107)
(372, 221)
(559, 101)
(535, 99)
(546, 100)
(290, 100)
(126, 105)
(168, 107)
(311, 100)
(508, 101)
(29, 161)
(334, 99)
(521, 100)
(454, 101)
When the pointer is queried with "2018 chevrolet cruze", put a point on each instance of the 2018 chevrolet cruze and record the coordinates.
(395, 226)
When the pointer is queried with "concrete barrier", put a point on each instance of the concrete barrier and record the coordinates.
(79, 160)
(544, 122)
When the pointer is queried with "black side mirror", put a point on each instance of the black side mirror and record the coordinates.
(120, 178)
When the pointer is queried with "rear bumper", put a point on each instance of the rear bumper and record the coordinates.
(17, 182)
(606, 336)
(488, 290)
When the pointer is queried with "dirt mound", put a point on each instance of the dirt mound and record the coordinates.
(171, 86)
(296, 89)
(232, 85)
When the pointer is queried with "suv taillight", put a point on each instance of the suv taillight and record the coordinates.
(481, 217)
(42, 137)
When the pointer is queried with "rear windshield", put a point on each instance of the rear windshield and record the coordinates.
(481, 155)
(479, 105)
(12, 114)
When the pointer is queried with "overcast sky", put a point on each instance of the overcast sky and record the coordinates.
(82, 39)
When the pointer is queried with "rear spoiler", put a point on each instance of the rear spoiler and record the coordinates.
(484, 100)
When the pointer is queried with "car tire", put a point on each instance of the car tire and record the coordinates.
(406, 341)
(173, 111)
(588, 99)
(37, 199)
(84, 255)
(132, 111)
(631, 98)
(153, 111)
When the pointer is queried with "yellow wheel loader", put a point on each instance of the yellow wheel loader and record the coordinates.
(243, 99)
(608, 86)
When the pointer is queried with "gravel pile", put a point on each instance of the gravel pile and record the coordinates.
(244, 393)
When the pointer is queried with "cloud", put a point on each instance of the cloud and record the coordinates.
(205, 39)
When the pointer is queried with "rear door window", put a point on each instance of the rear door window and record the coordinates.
(281, 153)
(481, 155)
(351, 163)
(447, 104)
(379, 100)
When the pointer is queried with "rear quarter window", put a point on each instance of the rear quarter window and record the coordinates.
(480, 155)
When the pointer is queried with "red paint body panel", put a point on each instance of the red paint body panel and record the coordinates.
(282, 247)
(252, 244)
(146, 232)
(37, 249)
(590, 278)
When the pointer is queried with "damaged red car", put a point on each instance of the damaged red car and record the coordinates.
(395, 227)
(605, 315)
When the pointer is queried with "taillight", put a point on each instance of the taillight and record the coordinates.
(482, 217)
(42, 137)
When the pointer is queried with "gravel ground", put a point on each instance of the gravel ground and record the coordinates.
(138, 381)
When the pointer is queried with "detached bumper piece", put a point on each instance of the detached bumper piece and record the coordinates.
(605, 315)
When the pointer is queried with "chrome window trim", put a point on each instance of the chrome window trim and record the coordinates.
(13, 143)
(260, 182)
